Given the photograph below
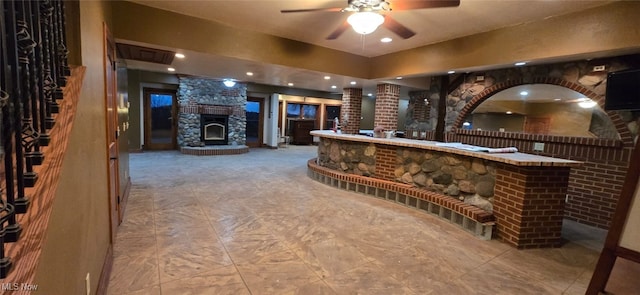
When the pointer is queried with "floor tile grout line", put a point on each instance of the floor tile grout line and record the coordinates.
(571, 281)
(155, 231)
(235, 266)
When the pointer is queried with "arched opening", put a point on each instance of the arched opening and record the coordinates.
(614, 117)
(543, 109)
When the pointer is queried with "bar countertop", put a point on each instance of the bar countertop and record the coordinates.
(512, 158)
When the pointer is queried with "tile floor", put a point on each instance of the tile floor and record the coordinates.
(256, 224)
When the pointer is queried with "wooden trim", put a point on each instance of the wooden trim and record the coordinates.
(628, 254)
(105, 274)
(146, 98)
(25, 253)
(261, 111)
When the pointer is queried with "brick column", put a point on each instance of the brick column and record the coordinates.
(419, 110)
(351, 110)
(529, 205)
(387, 99)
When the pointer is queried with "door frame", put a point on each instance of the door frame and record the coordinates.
(112, 129)
(146, 106)
(259, 100)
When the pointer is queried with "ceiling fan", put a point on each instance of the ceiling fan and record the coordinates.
(367, 15)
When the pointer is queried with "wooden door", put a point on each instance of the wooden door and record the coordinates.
(159, 119)
(254, 125)
(112, 127)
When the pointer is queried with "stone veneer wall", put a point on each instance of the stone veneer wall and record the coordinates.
(349, 157)
(594, 188)
(526, 201)
(198, 96)
(468, 179)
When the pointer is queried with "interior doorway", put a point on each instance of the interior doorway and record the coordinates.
(254, 113)
(159, 119)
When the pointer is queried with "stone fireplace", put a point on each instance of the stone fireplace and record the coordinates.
(210, 113)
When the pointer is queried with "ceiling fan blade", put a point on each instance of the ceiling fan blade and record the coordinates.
(421, 4)
(311, 10)
(397, 28)
(338, 31)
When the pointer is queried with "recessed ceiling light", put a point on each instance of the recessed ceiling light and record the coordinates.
(290, 84)
(386, 40)
(587, 104)
(327, 77)
(249, 73)
(179, 55)
(369, 94)
(171, 69)
(509, 113)
(353, 82)
(522, 63)
(229, 82)
(398, 78)
(451, 72)
(334, 86)
(524, 93)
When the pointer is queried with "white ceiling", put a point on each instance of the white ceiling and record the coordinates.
(431, 26)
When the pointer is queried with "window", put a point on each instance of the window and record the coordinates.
(301, 111)
(331, 112)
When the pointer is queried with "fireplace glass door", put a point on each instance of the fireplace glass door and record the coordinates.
(254, 121)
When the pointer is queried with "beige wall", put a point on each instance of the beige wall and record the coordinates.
(78, 236)
(610, 30)
(155, 26)
(566, 119)
(606, 30)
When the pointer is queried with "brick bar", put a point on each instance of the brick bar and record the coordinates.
(529, 205)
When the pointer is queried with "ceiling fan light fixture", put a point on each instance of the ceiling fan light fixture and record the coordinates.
(365, 22)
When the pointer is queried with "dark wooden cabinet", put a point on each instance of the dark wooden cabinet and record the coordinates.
(299, 131)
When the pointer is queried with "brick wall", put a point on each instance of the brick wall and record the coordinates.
(528, 205)
(593, 188)
(418, 108)
(386, 112)
(385, 162)
(211, 109)
(351, 110)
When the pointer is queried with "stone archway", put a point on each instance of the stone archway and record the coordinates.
(625, 135)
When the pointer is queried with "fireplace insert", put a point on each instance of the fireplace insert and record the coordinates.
(214, 129)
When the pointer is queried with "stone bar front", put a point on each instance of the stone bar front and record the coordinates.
(525, 193)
